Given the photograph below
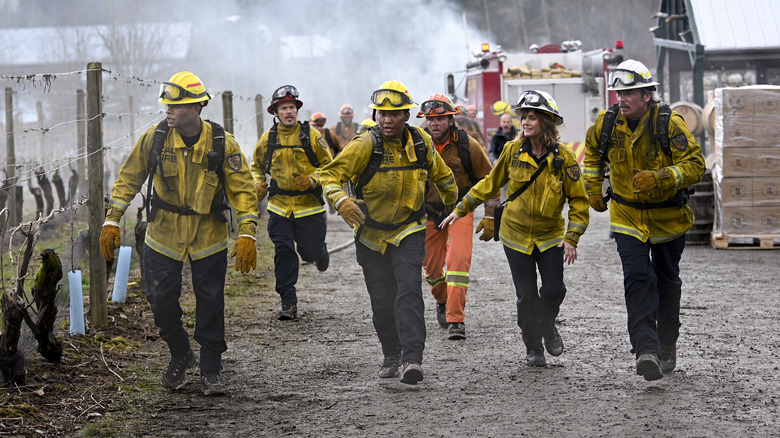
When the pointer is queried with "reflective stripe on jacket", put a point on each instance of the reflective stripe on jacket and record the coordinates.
(534, 218)
(289, 161)
(635, 150)
(191, 186)
(392, 196)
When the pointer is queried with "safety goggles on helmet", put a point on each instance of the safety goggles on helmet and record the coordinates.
(626, 77)
(393, 97)
(283, 91)
(532, 98)
(436, 106)
(174, 92)
(319, 121)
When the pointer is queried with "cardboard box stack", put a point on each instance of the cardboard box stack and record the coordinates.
(746, 174)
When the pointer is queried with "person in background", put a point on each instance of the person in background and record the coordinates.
(542, 176)
(186, 221)
(451, 247)
(365, 125)
(649, 215)
(506, 132)
(345, 129)
(318, 121)
(292, 155)
(388, 216)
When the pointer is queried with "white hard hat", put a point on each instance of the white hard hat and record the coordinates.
(628, 75)
(539, 101)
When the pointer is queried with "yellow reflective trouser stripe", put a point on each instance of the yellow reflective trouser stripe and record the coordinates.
(433, 282)
(458, 278)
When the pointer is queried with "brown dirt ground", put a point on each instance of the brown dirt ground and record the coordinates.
(317, 376)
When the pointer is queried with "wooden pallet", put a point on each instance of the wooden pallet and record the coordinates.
(745, 242)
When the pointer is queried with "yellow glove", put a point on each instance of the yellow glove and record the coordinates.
(644, 180)
(303, 182)
(109, 240)
(597, 202)
(261, 189)
(351, 212)
(245, 253)
(486, 225)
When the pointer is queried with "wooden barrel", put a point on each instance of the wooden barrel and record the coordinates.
(702, 202)
(708, 116)
(692, 115)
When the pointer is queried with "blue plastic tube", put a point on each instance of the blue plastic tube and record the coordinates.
(76, 303)
(122, 273)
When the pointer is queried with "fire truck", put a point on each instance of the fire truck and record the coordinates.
(576, 79)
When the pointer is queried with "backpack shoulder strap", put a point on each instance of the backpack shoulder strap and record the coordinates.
(377, 151)
(306, 144)
(269, 149)
(155, 160)
(218, 145)
(420, 149)
(662, 127)
(465, 154)
(606, 132)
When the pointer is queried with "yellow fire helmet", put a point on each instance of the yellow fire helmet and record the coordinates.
(365, 125)
(183, 87)
(392, 95)
(500, 107)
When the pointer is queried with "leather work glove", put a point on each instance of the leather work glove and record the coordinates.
(303, 182)
(109, 240)
(486, 225)
(644, 180)
(262, 190)
(245, 253)
(597, 202)
(351, 212)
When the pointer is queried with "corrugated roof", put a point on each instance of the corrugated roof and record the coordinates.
(729, 25)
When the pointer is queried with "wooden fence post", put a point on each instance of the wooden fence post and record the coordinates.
(97, 265)
(259, 111)
(81, 130)
(10, 182)
(227, 110)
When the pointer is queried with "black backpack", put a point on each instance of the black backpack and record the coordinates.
(304, 137)
(215, 160)
(661, 134)
(374, 166)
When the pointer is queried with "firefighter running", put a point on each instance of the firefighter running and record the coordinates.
(390, 165)
(186, 222)
(292, 154)
(649, 214)
(451, 247)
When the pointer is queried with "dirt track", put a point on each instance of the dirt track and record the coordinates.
(318, 376)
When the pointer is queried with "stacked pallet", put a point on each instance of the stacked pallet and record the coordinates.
(746, 174)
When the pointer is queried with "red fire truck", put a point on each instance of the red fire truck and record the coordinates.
(576, 80)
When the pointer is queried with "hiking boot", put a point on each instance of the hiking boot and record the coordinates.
(535, 358)
(457, 331)
(390, 366)
(668, 359)
(553, 342)
(649, 367)
(412, 373)
(441, 314)
(324, 261)
(289, 311)
(212, 384)
(176, 373)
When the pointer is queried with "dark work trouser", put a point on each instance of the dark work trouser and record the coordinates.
(651, 278)
(164, 279)
(285, 232)
(394, 283)
(537, 308)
